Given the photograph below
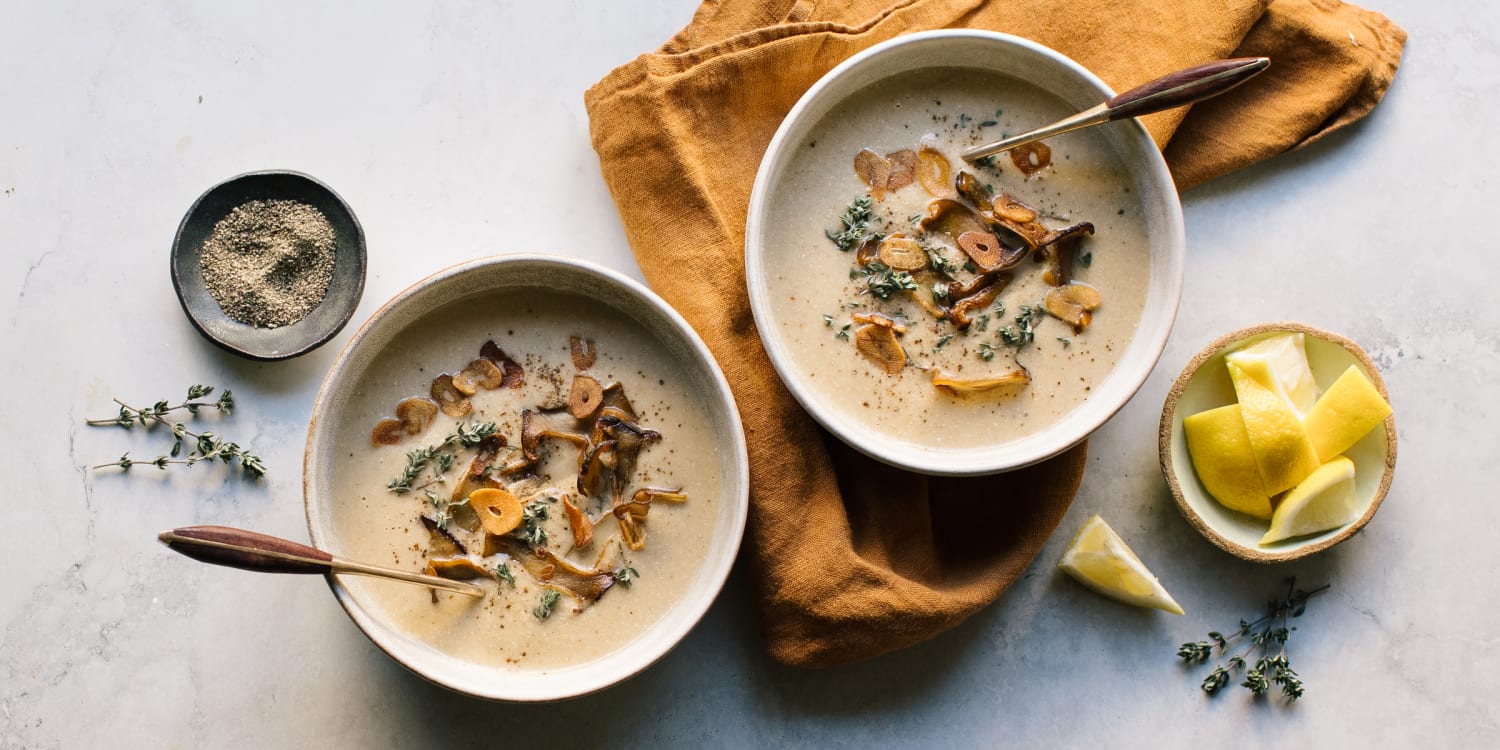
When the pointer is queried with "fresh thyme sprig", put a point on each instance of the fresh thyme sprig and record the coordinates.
(206, 446)
(130, 416)
(441, 454)
(625, 574)
(543, 610)
(856, 224)
(1269, 632)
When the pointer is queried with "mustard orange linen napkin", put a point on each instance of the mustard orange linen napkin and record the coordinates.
(853, 558)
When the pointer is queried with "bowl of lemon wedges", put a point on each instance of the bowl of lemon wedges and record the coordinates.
(1278, 441)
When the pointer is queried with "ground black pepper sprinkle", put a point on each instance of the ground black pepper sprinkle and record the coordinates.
(268, 263)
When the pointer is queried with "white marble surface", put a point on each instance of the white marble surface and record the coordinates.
(457, 130)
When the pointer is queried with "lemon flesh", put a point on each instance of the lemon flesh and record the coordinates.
(1347, 411)
(1283, 359)
(1099, 559)
(1283, 453)
(1323, 501)
(1220, 448)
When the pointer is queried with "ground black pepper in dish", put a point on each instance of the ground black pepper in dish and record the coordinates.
(268, 263)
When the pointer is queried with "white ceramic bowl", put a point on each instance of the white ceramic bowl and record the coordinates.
(1069, 81)
(1204, 384)
(690, 359)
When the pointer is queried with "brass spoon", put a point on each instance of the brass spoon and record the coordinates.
(248, 550)
(1172, 90)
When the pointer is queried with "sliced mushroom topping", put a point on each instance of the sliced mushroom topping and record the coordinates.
(985, 250)
(450, 399)
(514, 375)
(578, 521)
(614, 396)
(903, 169)
(874, 170)
(924, 299)
(962, 312)
(583, 584)
(585, 397)
(878, 344)
(972, 190)
(499, 511)
(584, 352)
(481, 373)
(1073, 303)
(386, 432)
(901, 253)
(416, 414)
(536, 425)
(632, 517)
(1031, 158)
(651, 494)
(1033, 233)
(476, 475)
(1059, 259)
(1008, 383)
(440, 543)
(1008, 207)
(457, 568)
(596, 462)
(880, 319)
(933, 171)
(869, 250)
(952, 218)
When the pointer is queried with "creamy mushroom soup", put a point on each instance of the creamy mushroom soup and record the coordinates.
(466, 442)
(950, 304)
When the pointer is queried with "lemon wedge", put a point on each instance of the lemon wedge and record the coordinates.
(1283, 360)
(1350, 408)
(1323, 501)
(1220, 448)
(1099, 559)
(1283, 453)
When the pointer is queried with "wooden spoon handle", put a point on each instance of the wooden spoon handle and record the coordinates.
(1185, 87)
(247, 550)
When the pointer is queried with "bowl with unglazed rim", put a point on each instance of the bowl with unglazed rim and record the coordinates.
(689, 359)
(324, 322)
(1204, 384)
(1070, 82)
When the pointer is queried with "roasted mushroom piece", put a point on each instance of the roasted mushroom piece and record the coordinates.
(386, 432)
(416, 414)
(878, 344)
(903, 169)
(972, 190)
(1058, 258)
(579, 523)
(975, 296)
(585, 397)
(901, 253)
(1031, 158)
(874, 170)
(458, 568)
(952, 218)
(584, 584)
(513, 374)
(440, 542)
(933, 170)
(450, 399)
(880, 319)
(1073, 303)
(1008, 383)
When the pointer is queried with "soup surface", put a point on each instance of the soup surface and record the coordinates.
(530, 618)
(1018, 368)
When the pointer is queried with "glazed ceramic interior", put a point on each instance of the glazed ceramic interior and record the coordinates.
(1210, 387)
(1153, 186)
(689, 357)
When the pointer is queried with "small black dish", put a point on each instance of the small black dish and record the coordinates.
(269, 344)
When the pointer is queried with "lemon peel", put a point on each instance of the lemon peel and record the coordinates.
(1323, 501)
(1348, 410)
(1220, 449)
(1099, 559)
